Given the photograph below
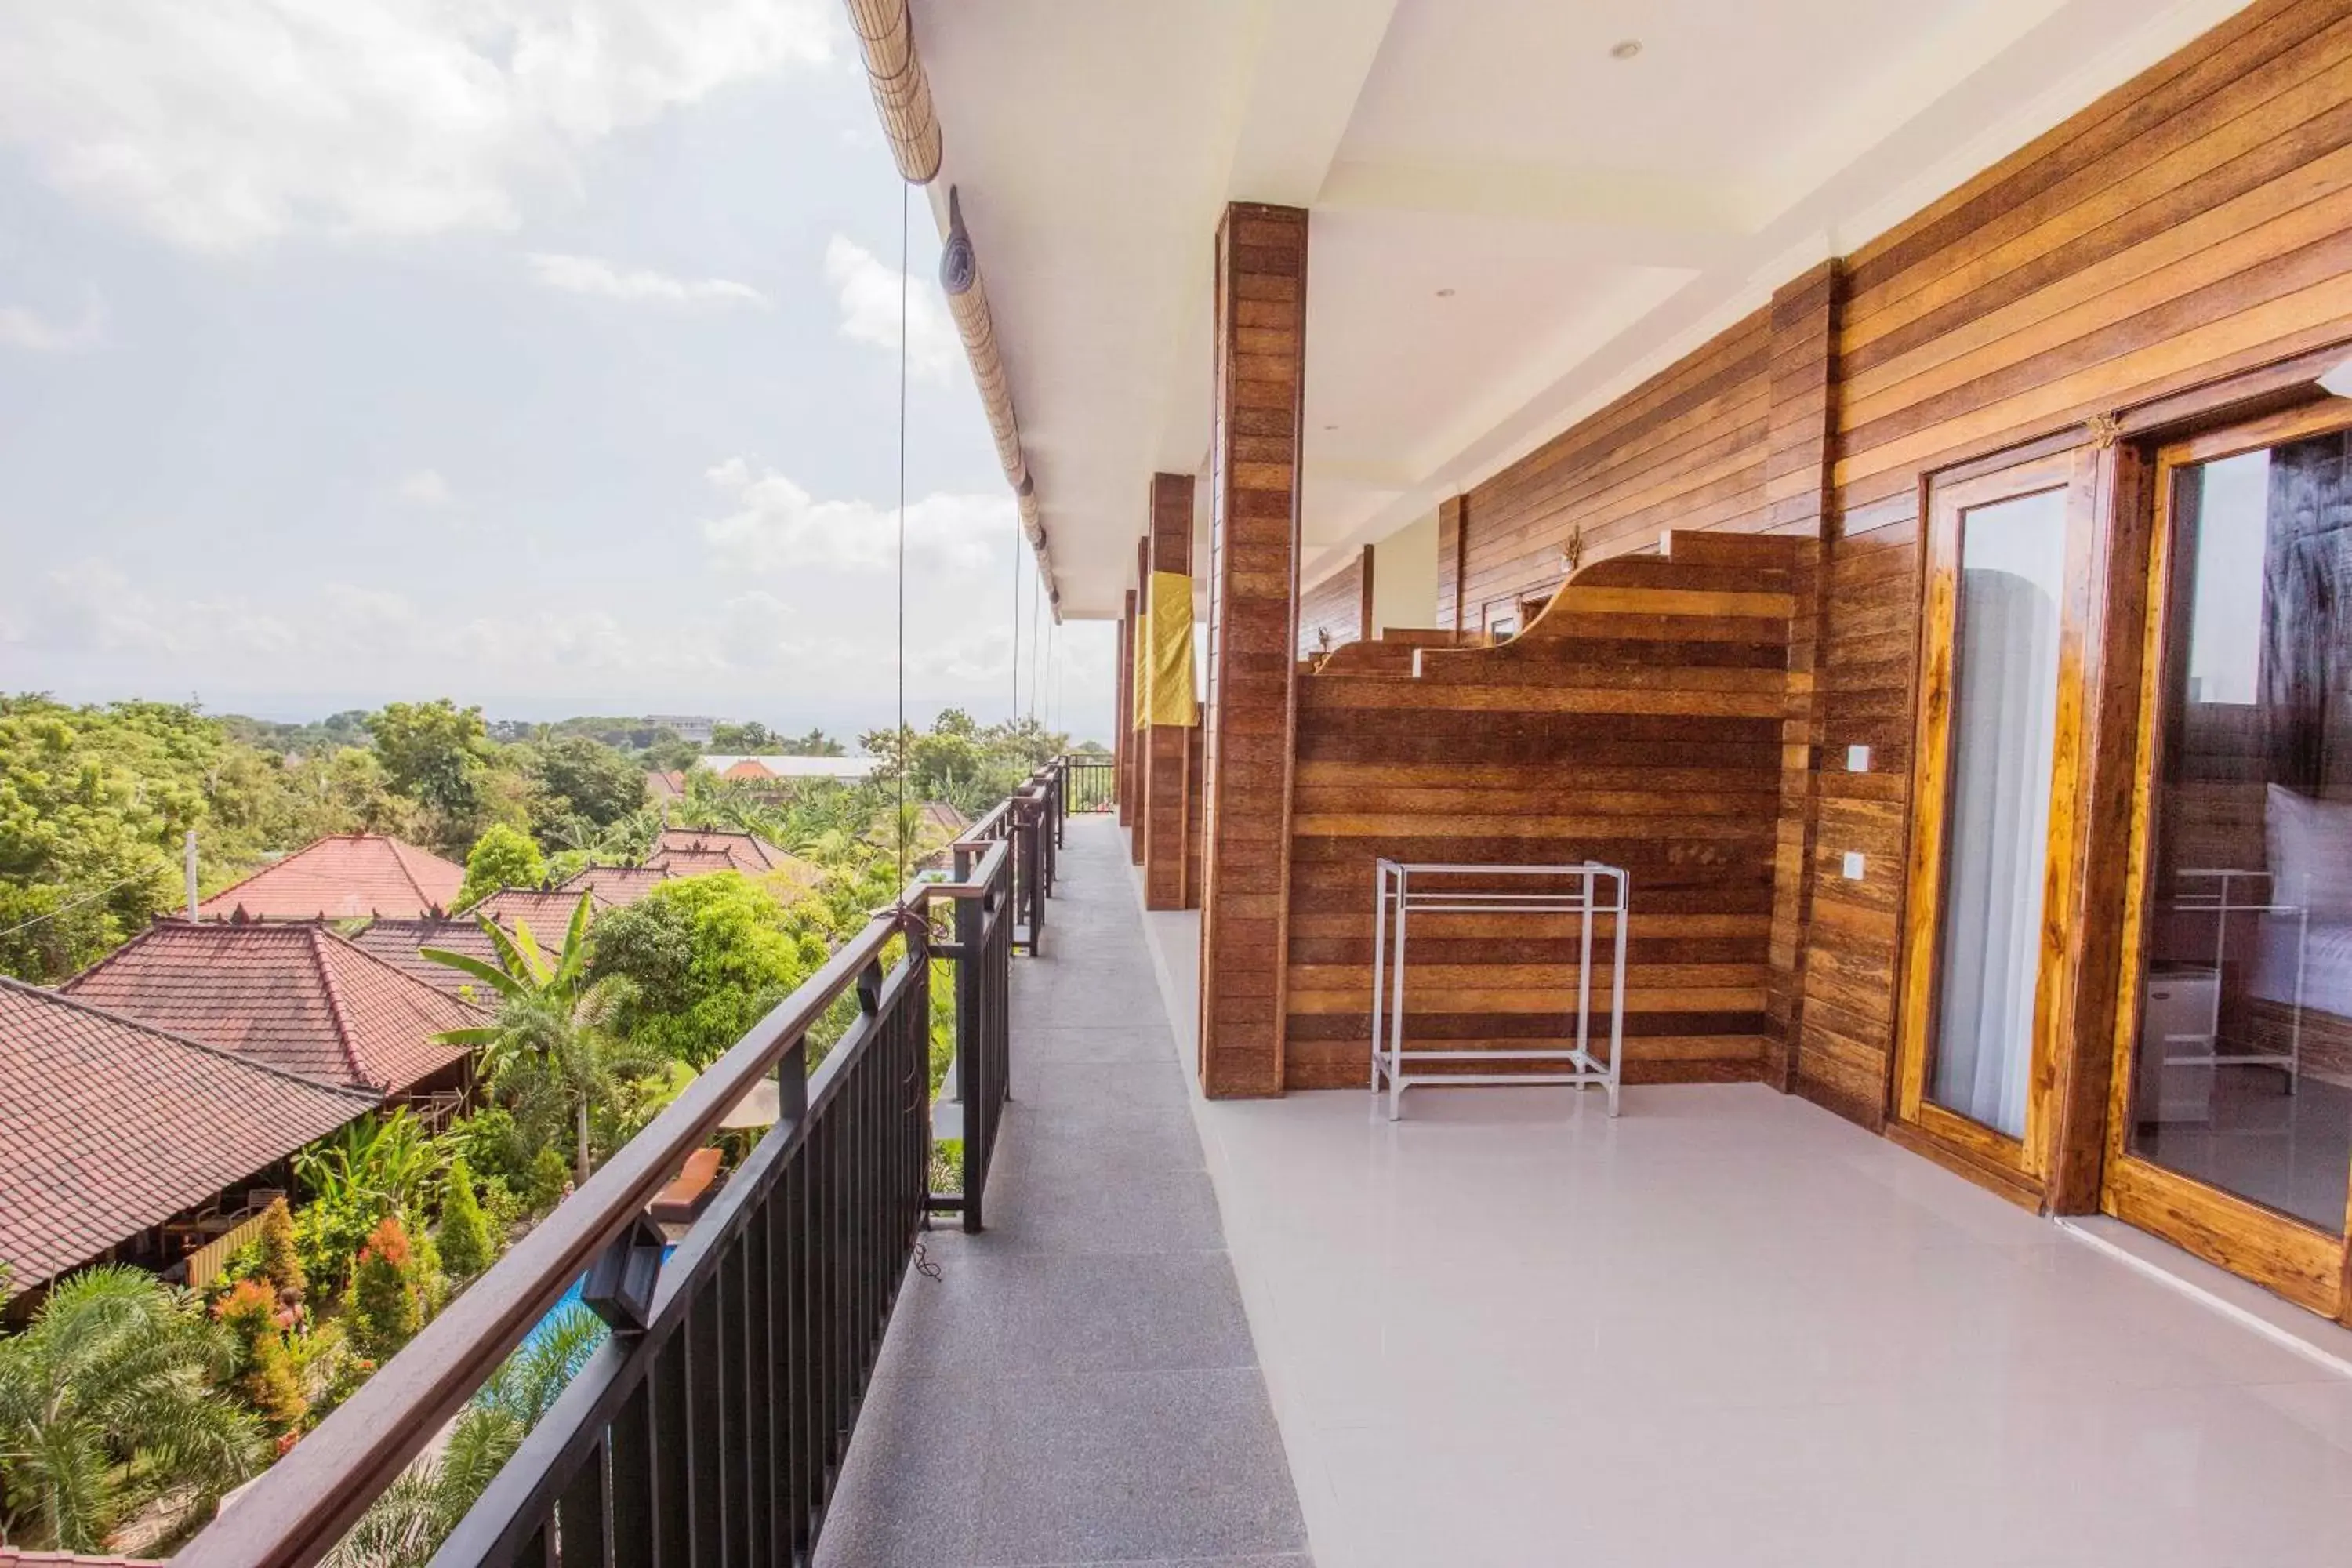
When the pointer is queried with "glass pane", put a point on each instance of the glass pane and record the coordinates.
(2004, 724)
(2244, 1053)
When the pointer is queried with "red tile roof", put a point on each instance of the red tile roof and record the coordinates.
(688, 850)
(111, 1126)
(346, 876)
(547, 910)
(749, 768)
(694, 862)
(669, 785)
(401, 943)
(295, 996)
(617, 884)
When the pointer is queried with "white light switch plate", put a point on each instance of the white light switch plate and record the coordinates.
(1857, 759)
(1854, 864)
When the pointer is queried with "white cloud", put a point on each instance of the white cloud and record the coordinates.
(870, 298)
(424, 488)
(220, 124)
(777, 526)
(593, 276)
(91, 605)
(22, 327)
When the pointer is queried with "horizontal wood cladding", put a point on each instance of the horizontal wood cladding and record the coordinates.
(1331, 611)
(2191, 224)
(1638, 721)
(1686, 449)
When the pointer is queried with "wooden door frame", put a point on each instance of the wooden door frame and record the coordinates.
(2020, 1166)
(2298, 1260)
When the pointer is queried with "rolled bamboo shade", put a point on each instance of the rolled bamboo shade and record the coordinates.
(968, 302)
(902, 94)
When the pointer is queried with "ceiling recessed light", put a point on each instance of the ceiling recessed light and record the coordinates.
(1445, 293)
(1330, 426)
(1626, 50)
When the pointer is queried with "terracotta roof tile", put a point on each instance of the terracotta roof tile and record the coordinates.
(616, 885)
(296, 996)
(345, 876)
(694, 862)
(547, 910)
(689, 851)
(112, 1126)
(401, 943)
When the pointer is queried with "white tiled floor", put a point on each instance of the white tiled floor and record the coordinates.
(1729, 1328)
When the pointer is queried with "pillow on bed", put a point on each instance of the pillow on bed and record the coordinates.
(2310, 846)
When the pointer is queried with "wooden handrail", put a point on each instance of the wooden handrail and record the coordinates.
(301, 1507)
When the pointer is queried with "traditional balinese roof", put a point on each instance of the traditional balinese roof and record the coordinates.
(346, 876)
(774, 766)
(666, 786)
(746, 852)
(694, 862)
(296, 997)
(111, 1126)
(943, 816)
(547, 910)
(615, 885)
(751, 768)
(401, 943)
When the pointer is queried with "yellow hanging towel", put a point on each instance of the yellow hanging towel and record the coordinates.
(1169, 629)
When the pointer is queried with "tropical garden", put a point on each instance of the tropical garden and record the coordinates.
(129, 1405)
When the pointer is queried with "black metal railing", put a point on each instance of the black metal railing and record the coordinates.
(1026, 821)
(711, 1426)
(982, 925)
(1089, 783)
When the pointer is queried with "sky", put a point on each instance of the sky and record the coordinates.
(540, 353)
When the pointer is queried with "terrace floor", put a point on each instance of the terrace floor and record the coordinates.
(1727, 1328)
(1078, 1384)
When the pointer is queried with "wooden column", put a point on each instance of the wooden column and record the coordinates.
(1453, 524)
(1364, 632)
(1164, 748)
(1798, 451)
(1260, 381)
(1136, 773)
(1123, 736)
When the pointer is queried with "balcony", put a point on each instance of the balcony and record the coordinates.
(1729, 1326)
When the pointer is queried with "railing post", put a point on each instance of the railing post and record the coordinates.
(971, 1055)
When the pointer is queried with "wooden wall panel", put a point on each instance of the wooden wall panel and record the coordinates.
(2191, 224)
(1333, 611)
(1260, 388)
(1637, 722)
(1686, 449)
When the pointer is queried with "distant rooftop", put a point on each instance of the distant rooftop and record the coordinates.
(348, 875)
(296, 997)
(112, 1126)
(796, 767)
(546, 910)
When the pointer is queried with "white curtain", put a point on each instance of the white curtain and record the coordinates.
(2004, 720)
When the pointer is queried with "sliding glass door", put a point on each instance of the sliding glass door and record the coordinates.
(1997, 764)
(2231, 1126)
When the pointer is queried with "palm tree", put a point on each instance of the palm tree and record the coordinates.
(410, 1519)
(117, 1367)
(549, 1042)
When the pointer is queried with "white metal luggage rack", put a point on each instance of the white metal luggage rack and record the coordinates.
(1592, 888)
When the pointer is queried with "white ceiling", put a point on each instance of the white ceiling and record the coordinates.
(1593, 218)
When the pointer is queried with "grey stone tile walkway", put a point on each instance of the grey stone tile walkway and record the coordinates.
(1079, 1386)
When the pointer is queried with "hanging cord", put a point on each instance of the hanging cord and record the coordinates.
(898, 828)
(1015, 717)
